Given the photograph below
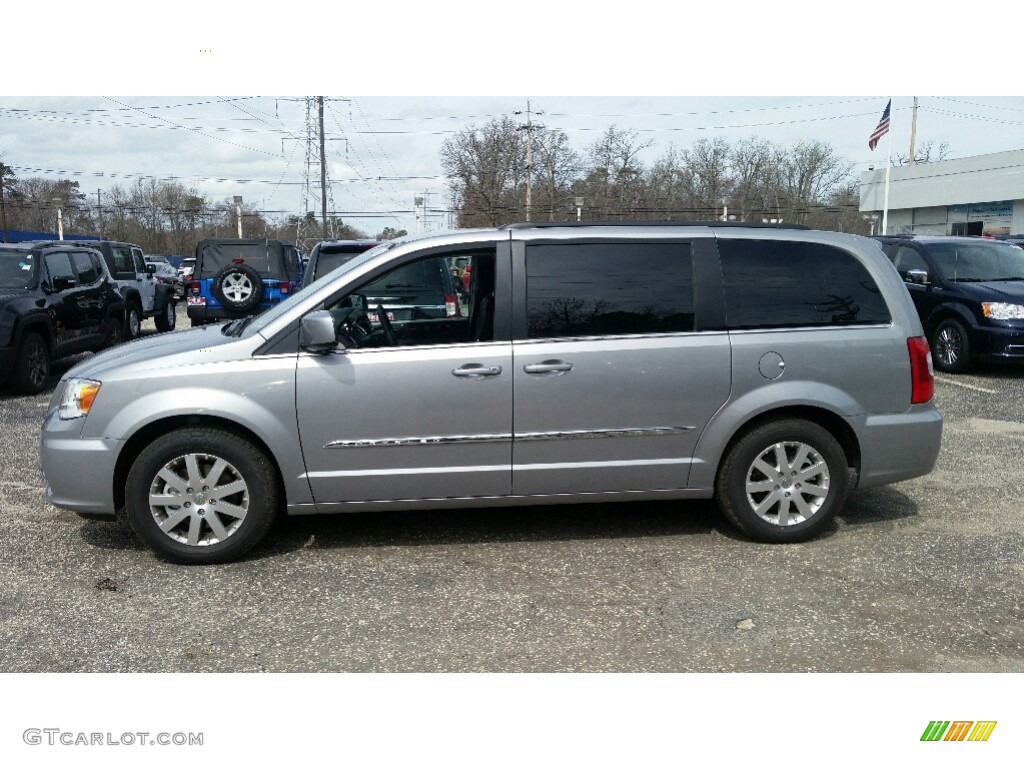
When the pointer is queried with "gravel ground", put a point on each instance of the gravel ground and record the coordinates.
(917, 577)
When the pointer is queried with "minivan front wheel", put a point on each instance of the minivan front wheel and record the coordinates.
(783, 481)
(951, 347)
(201, 496)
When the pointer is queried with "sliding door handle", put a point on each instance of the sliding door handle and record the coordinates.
(556, 367)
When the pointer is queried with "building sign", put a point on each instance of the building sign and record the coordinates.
(981, 218)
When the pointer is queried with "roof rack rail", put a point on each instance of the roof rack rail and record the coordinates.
(635, 223)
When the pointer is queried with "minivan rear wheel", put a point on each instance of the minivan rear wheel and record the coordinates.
(201, 496)
(783, 481)
(951, 347)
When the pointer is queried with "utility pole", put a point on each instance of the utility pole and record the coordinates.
(3, 204)
(99, 211)
(913, 132)
(323, 170)
(529, 154)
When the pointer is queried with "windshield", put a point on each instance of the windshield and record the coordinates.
(276, 311)
(331, 257)
(16, 268)
(978, 262)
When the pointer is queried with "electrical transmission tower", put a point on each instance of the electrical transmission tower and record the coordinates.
(307, 229)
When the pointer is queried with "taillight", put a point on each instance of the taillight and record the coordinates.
(922, 375)
(451, 305)
(194, 286)
(285, 286)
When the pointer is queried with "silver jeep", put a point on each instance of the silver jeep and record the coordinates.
(773, 368)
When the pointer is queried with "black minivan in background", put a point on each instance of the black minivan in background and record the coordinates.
(969, 292)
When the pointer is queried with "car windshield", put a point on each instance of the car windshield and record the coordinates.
(279, 309)
(978, 262)
(16, 268)
(331, 257)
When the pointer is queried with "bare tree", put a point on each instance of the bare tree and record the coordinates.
(485, 168)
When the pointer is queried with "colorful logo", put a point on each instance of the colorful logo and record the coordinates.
(958, 730)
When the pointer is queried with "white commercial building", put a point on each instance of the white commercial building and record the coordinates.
(981, 195)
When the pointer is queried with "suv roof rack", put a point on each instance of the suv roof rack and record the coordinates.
(635, 223)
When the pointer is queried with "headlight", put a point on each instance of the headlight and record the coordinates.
(79, 395)
(997, 310)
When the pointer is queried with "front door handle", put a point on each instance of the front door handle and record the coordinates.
(476, 371)
(556, 367)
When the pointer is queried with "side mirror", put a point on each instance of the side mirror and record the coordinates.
(59, 284)
(316, 334)
(151, 269)
(917, 277)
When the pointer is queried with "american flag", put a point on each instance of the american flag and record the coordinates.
(881, 129)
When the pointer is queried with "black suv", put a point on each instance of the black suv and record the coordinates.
(144, 297)
(969, 292)
(56, 300)
(328, 255)
(233, 278)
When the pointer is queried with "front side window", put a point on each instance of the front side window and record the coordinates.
(779, 284)
(608, 289)
(58, 266)
(908, 258)
(416, 304)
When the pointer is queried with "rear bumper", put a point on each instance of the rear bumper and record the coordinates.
(895, 447)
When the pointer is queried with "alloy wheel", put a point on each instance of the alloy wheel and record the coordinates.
(199, 499)
(787, 483)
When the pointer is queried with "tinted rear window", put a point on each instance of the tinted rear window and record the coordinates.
(608, 289)
(778, 284)
(266, 261)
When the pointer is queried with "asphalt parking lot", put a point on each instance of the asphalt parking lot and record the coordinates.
(917, 577)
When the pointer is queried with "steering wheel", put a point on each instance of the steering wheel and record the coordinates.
(385, 324)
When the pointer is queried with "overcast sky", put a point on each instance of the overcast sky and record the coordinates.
(385, 150)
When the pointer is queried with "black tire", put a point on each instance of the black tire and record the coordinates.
(205, 531)
(32, 369)
(951, 347)
(758, 502)
(132, 321)
(113, 332)
(167, 319)
(238, 287)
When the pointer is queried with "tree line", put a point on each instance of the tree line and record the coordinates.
(161, 216)
(749, 180)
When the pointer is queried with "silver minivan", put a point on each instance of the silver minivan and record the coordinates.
(771, 367)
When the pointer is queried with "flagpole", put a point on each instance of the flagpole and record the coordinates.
(888, 165)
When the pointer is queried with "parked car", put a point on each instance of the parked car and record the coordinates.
(331, 254)
(969, 293)
(56, 300)
(143, 297)
(233, 278)
(773, 368)
(186, 267)
(165, 274)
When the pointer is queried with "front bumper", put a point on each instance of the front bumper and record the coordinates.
(999, 344)
(79, 471)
